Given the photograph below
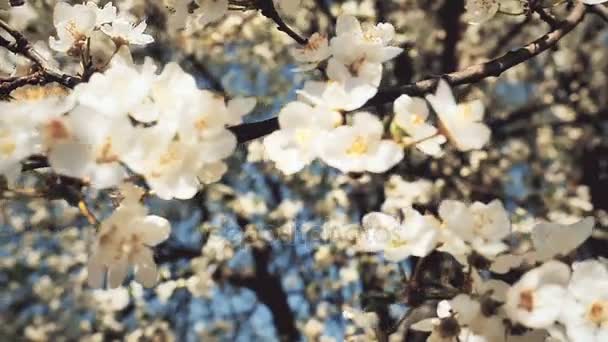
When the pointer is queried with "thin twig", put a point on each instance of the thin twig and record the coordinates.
(267, 9)
(46, 73)
(547, 17)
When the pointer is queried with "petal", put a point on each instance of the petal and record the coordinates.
(385, 157)
(145, 268)
(389, 53)
(117, 273)
(348, 24)
(295, 115)
(240, 107)
(95, 272)
(443, 99)
(146, 275)
(154, 230)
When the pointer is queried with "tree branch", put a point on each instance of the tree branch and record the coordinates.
(547, 17)
(471, 74)
(492, 68)
(450, 14)
(268, 10)
(270, 292)
(45, 73)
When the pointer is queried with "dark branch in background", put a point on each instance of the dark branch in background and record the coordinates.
(471, 74)
(44, 73)
(506, 39)
(251, 131)
(449, 15)
(324, 7)
(547, 17)
(269, 291)
(268, 10)
(492, 68)
(600, 10)
(194, 66)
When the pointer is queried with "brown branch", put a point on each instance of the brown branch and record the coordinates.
(492, 68)
(547, 17)
(471, 74)
(270, 292)
(44, 74)
(7, 85)
(268, 10)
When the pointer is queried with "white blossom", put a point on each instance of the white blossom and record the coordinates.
(90, 146)
(593, 2)
(120, 89)
(552, 239)
(74, 24)
(104, 15)
(461, 122)
(302, 133)
(124, 32)
(335, 96)
(22, 125)
(402, 194)
(410, 118)
(359, 147)
(315, 51)
(585, 310)
(124, 239)
(536, 300)
(417, 235)
(354, 45)
(483, 226)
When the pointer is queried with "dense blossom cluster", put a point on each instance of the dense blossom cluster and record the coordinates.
(124, 123)
(548, 298)
(313, 127)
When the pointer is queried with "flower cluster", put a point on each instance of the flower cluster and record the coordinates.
(463, 230)
(128, 118)
(76, 25)
(552, 299)
(459, 230)
(313, 126)
(571, 303)
(124, 239)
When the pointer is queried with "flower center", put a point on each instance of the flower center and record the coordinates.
(106, 154)
(55, 130)
(396, 243)
(355, 67)
(598, 312)
(7, 148)
(201, 124)
(303, 136)
(416, 119)
(526, 300)
(466, 110)
(358, 147)
(7, 143)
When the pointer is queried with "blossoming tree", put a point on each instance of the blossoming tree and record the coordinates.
(304, 170)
